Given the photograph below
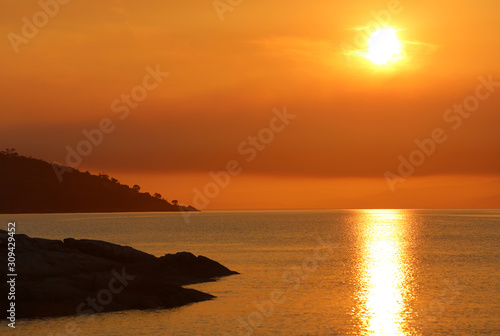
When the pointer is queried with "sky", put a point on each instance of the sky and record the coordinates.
(259, 104)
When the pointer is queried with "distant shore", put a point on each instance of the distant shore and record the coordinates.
(181, 209)
(29, 185)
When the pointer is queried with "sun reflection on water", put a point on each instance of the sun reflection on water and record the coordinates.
(384, 289)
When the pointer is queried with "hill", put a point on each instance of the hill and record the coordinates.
(29, 185)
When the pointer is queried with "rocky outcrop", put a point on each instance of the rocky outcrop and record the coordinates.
(108, 251)
(56, 278)
(198, 267)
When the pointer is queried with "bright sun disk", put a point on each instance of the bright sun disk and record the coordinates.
(384, 46)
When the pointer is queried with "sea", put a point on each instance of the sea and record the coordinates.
(302, 272)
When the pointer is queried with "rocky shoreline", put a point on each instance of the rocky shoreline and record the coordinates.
(72, 277)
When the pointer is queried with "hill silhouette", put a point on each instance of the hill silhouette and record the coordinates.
(29, 185)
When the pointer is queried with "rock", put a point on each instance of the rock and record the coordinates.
(57, 278)
(200, 266)
(108, 250)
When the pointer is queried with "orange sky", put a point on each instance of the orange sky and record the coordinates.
(353, 119)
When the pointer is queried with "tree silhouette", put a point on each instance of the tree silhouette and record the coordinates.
(157, 195)
(136, 187)
(9, 152)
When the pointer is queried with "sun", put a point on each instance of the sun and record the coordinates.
(384, 47)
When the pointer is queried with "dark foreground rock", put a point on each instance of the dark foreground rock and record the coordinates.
(69, 277)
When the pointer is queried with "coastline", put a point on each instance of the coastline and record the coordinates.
(74, 277)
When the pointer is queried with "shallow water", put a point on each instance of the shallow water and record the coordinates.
(382, 272)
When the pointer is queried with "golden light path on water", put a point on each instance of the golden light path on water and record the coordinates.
(384, 292)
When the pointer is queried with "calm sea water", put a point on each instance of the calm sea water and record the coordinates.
(384, 272)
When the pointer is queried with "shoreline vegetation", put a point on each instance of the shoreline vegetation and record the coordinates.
(76, 277)
(29, 185)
